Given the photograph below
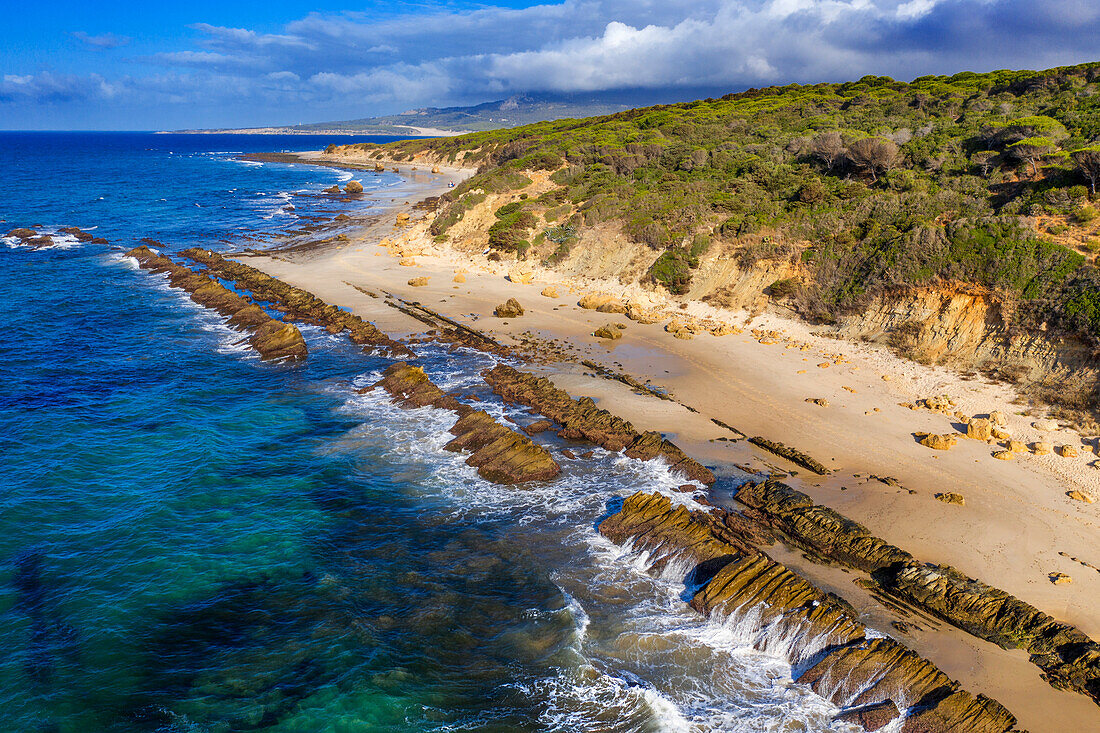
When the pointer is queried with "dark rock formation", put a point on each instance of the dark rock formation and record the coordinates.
(582, 420)
(791, 454)
(500, 454)
(818, 529)
(272, 338)
(871, 717)
(1069, 659)
(300, 304)
(77, 233)
(852, 670)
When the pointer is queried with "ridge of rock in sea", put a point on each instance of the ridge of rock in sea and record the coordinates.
(272, 338)
(297, 303)
(582, 420)
(500, 454)
(819, 630)
(1069, 659)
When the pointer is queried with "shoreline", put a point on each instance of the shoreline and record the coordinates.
(1016, 520)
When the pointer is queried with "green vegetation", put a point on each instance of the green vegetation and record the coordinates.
(868, 185)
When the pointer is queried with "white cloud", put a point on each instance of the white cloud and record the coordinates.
(103, 41)
(354, 64)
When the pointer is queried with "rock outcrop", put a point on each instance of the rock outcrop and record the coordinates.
(500, 454)
(1069, 659)
(297, 303)
(582, 420)
(791, 454)
(818, 631)
(273, 339)
(353, 187)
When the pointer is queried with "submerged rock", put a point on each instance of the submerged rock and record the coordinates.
(272, 338)
(500, 454)
(298, 303)
(582, 420)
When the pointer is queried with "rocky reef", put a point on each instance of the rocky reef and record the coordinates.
(272, 338)
(791, 454)
(296, 303)
(869, 678)
(582, 420)
(500, 454)
(1069, 659)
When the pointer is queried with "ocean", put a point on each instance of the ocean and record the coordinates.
(194, 540)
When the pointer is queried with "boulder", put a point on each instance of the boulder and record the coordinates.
(407, 262)
(1004, 455)
(550, 292)
(1045, 425)
(1042, 448)
(333, 189)
(1079, 496)
(979, 428)
(418, 282)
(402, 219)
(639, 314)
(521, 275)
(608, 331)
(950, 497)
(379, 168)
(937, 442)
(435, 169)
(998, 418)
(600, 302)
(1067, 451)
(510, 308)
(459, 278)
(1060, 578)
(1016, 446)
(1001, 434)
(820, 401)
(353, 187)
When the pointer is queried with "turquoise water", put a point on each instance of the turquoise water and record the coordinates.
(193, 540)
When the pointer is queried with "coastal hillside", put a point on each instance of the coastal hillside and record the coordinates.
(953, 218)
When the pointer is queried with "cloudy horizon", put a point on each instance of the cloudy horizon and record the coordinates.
(223, 65)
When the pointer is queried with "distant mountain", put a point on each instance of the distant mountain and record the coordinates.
(521, 109)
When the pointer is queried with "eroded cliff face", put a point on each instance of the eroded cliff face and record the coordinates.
(964, 327)
(971, 328)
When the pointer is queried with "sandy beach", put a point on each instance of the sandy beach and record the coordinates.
(1018, 525)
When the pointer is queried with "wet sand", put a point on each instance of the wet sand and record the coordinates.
(1016, 527)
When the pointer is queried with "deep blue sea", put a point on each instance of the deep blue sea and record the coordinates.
(193, 540)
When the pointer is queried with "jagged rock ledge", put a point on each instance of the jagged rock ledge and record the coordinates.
(272, 338)
(791, 454)
(500, 454)
(297, 303)
(1069, 659)
(817, 631)
(582, 420)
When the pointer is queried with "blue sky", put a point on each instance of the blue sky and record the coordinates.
(225, 63)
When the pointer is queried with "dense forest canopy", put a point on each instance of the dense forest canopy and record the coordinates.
(873, 184)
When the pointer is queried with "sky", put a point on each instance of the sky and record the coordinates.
(227, 63)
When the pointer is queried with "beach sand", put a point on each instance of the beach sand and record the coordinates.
(1017, 525)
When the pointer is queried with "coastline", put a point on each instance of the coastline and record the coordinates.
(1017, 519)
